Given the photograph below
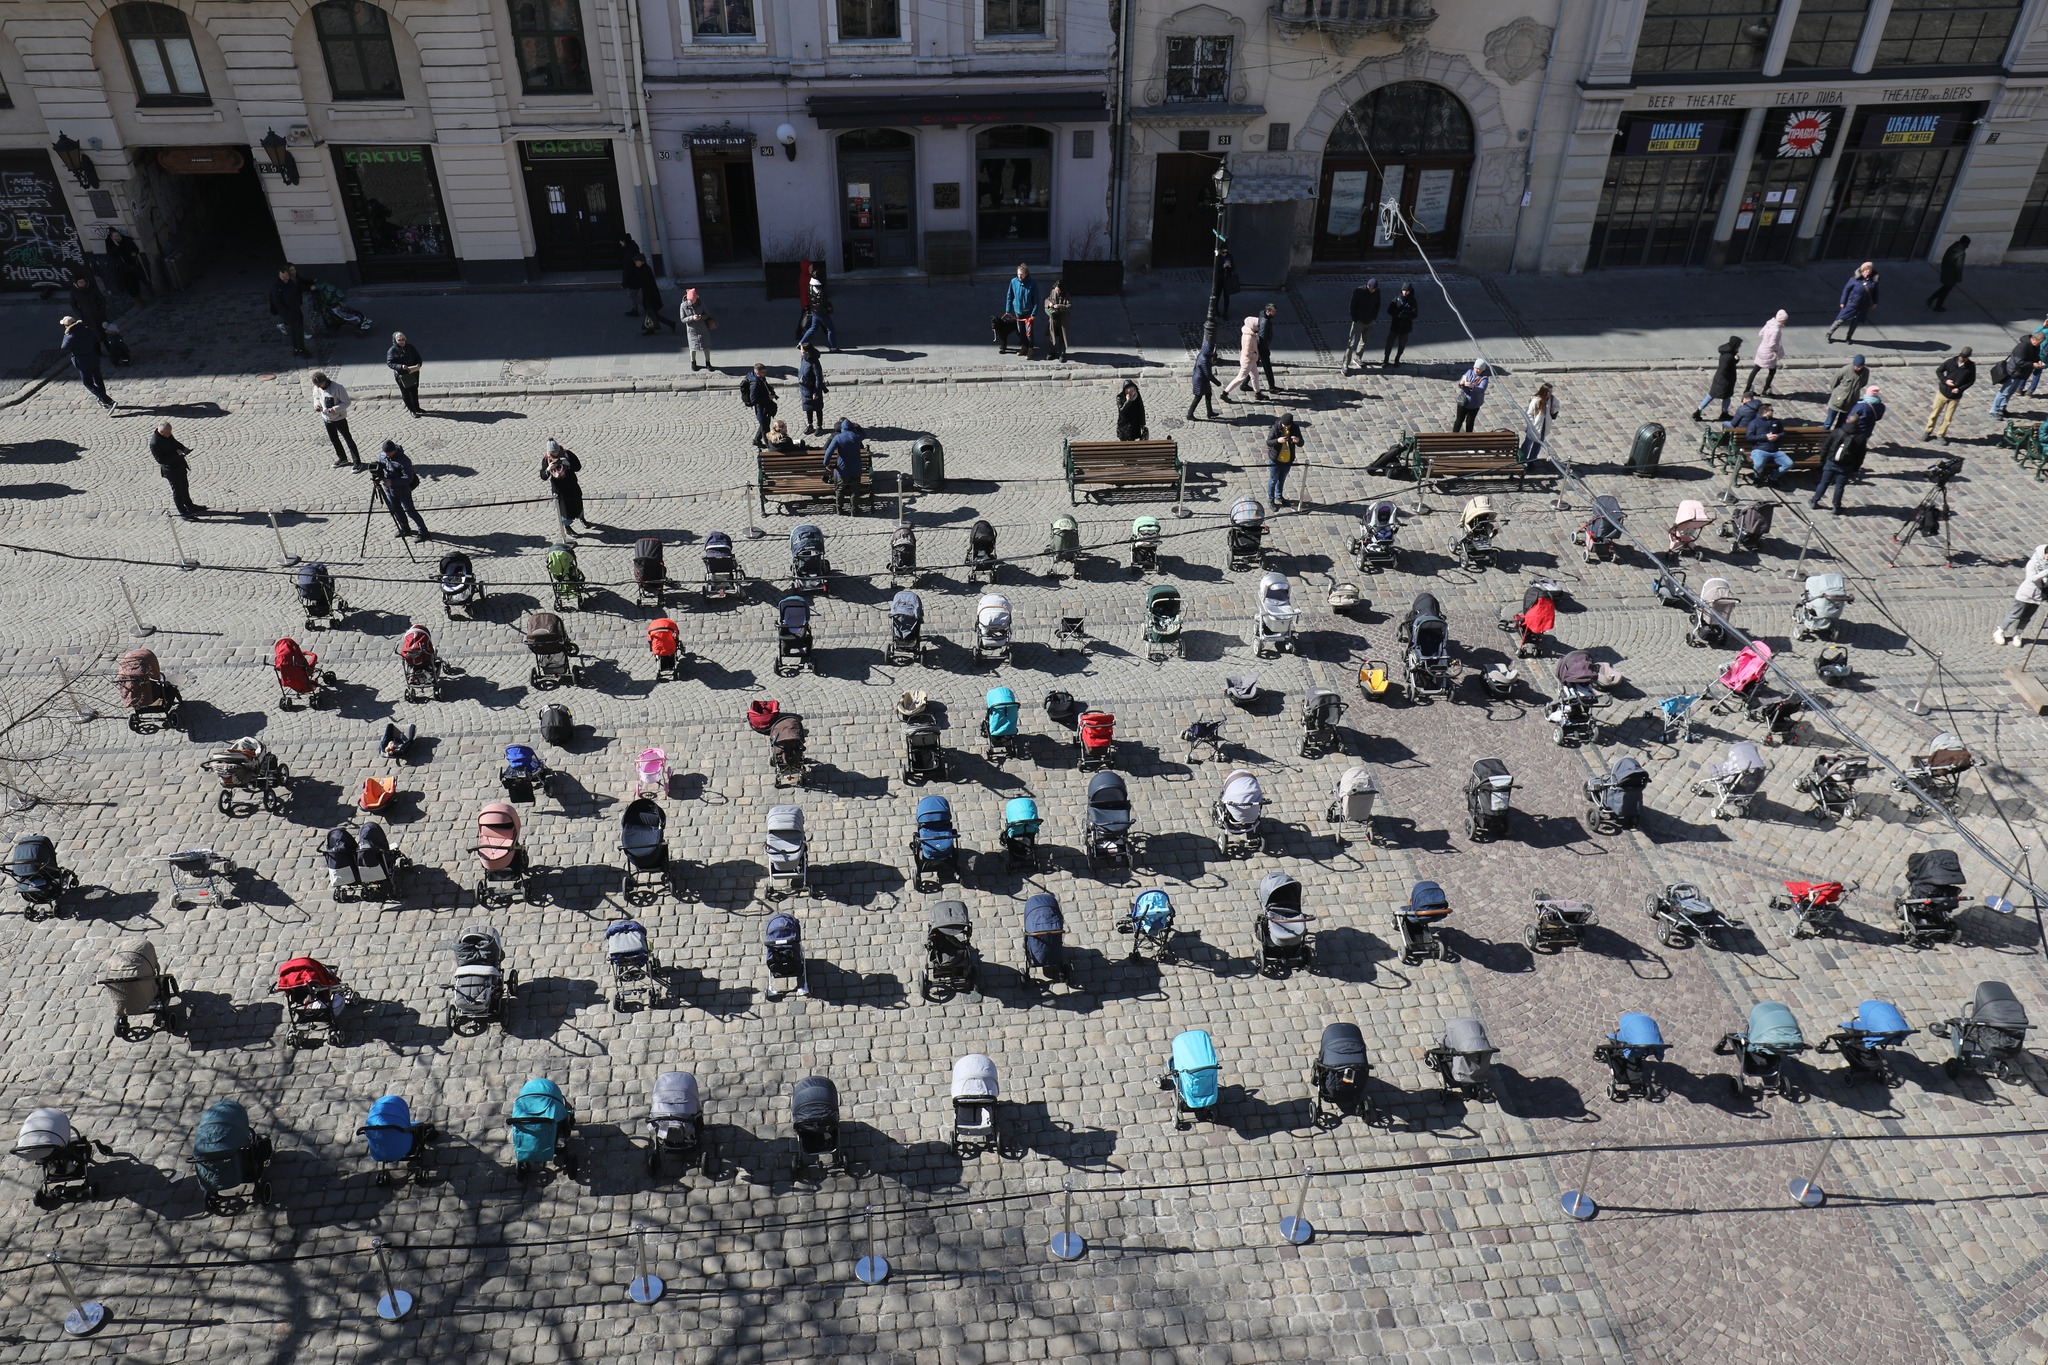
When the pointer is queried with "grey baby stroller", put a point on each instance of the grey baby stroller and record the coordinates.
(250, 775)
(1926, 909)
(951, 966)
(636, 971)
(1687, 915)
(792, 635)
(1419, 922)
(675, 1125)
(787, 849)
(1106, 825)
(809, 570)
(1321, 709)
(1989, 1037)
(1240, 813)
(228, 1158)
(1601, 536)
(981, 553)
(137, 985)
(33, 868)
(1373, 542)
(906, 629)
(903, 554)
(322, 604)
(1558, 924)
(643, 849)
(1820, 606)
(1464, 1060)
(554, 654)
(1747, 525)
(814, 1114)
(975, 1096)
(1489, 800)
(782, 942)
(1627, 1054)
(480, 987)
(1614, 799)
(1426, 662)
(1831, 785)
(1761, 1053)
(1247, 535)
(1573, 715)
(992, 629)
(1357, 794)
(1063, 545)
(62, 1157)
(1734, 782)
(1337, 1077)
(924, 754)
(1712, 611)
(1276, 618)
(1280, 930)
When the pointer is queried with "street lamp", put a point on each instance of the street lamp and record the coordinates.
(76, 161)
(1222, 182)
(282, 163)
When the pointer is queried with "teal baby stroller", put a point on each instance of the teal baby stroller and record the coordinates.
(1192, 1075)
(541, 1124)
(1021, 824)
(1149, 922)
(1627, 1054)
(227, 1156)
(1761, 1052)
(401, 1149)
(999, 724)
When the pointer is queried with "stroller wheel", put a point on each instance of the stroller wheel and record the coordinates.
(1531, 940)
(1614, 1092)
(1952, 1068)
(1677, 938)
(261, 1190)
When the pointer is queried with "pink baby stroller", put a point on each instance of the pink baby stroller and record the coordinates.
(1741, 677)
(1688, 524)
(650, 773)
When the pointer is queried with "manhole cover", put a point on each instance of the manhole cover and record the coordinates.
(525, 369)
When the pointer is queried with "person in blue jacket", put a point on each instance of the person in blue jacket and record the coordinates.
(843, 463)
(1859, 297)
(1020, 301)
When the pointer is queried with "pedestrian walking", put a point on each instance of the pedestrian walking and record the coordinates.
(1841, 458)
(396, 480)
(2021, 364)
(404, 361)
(2026, 599)
(131, 272)
(170, 455)
(332, 402)
(1951, 273)
(559, 468)
(1952, 379)
(1247, 361)
(1763, 433)
(648, 286)
(1202, 381)
(82, 344)
(1400, 322)
(1722, 385)
(1542, 412)
(1365, 311)
(1859, 298)
(629, 252)
(1269, 318)
(1020, 303)
(1227, 282)
(2040, 344)
(1130, 414)
(698, 324)
(1057, 306)
(843, 464)
(1283, 448)
(1843, 391)
(288, 306)
(757, 393)
(810, 382)
(1868, 412)
(815, 326)
(87, 301)
(1472, 387)
(1770, 352)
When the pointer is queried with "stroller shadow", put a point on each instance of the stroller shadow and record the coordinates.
(1350, 955)
(295, 1169)
(1645, 963)
(163, 1194)
(689, 986)
(730, 885)
(856, 786)
(1251, 1117)
(912, 1165)
(1539, 1097)
(217, 1022)
(837, 985)
(865, 882)
(544, 1005)
(1027, 1127)
(316, 802)
(1102, 978)
(204, 722)
(111, 907)
(1506, 956)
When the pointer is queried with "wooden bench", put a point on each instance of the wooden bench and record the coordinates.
(1801, 443)
(1444, 456)
(1097, 467)
(798, 476)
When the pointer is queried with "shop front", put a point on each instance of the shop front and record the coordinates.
(572, 193)
(1779, 194)
(1663, 189)
(1893, 184)
(722, 170)
(392, 200)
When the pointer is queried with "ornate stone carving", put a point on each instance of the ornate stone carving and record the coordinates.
(1517, 49)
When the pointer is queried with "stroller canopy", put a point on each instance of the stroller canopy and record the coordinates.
(562, 564)
(1718, 593)
(793, 614)
(1640, 1032)
(1743, 759)
(787, 729)
(981, 537)
(1042, 915)
(314, 582)
(1478, 513)
(782, 931)
(1243, 798)
(992, 614)
(717, 551)
(34, 857)
(1880, 1022)
(479, 947)
(1152, 912)
(1280, 894)
(521, 760)
(806, 539)
(1577, 669)
(1381, 519)
(1490, 774)
(1162, 603)
(388, 1130)
(1247, 512)
(1607, 517)
(1342, 1045)
(1467, 1038)
(642, 828)
(906, 608)
(1195, 1067)
(497, 830)
(1746, 667)
(1424, 626)
(537, 1116)
(1629, 774)
(974, 1078)
(1276, 598)
(647, 557)
(815, 1100)
(1691, 515)
(1109, 802)
(455, 566)
(1427, 901)
(305, 973)
(675, 1096)
(1002, 711)
(1934, 867)
(1539, 609)
(1996, 1006)
(934, 815)
(950, 918)
(545, 633)
(1831, 585)
(131, 962)
(1357, 787)
(1020, 817)
(43, 1134)
(1772, 1028)
(625, 940)
(223, 1130)
(785, 829)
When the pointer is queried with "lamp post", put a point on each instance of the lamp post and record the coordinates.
(1222, 182)
(282, 163)
(76, 161)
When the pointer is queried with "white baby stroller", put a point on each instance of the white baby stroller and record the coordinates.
(788, 852)
(675, 1124)
(1373, 542)
(1688, 525)
(1715, 606)
(1276, 618)
(1239, 813)
(975, 1095)
(1820, 606)
(1357, 793)
(62, 1156)
(1145, 537)
(1247, 535)
(906, 628)
(1735, 781)
(1477, 527)
(992, 629)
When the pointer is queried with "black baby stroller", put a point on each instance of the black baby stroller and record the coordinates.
(1933, 896)
(924, 754)
(35, 872)
(135, 984)
(1558, 924)
(1747, 525)
(950, 964)
(1280, 929)
(460, 589)
(1418, 920)
(61, 1155)
(1106, 825)
(793, 636)
(721, 567)
(480, 987)
(809, 571)
(1464, 1059)
(1427, 637)
(1601, 536)
(1687, 915)
(1573, 715)
(1045, 940)
(975, 1096)
(1761, 1051)
(643, 847)
(786, 739)
(554, 653)
(245, 768)
(1735, 781)
(675, 1124)
(1337, 1077)
(636, 971)
(317, 596)
(226, 1156)
(934, 845)
(1477, 526)
(316, 1004)
(1867, 1041)
(1239, 813)
(782, 943)
(1489, 799)
(361, 864)
(1247, 535)
(1373, 541)
(1321, 709)
(151, 703)
(1831, 785)
(650, 572)
(903, 553)
(981, 553)
(814, 1113)
(1989, 1037)
(906, 628)
(1614, 799)
(1627, 1054)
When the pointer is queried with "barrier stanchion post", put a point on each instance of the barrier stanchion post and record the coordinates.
(1796, 571)
(83, 712)
(285, 558)
(185, 561)
(142, 628)
(85, 1316)
(872, 1268)
(1575, 1202)
(1180, 492)
(753, 496)
(394, 1303)
(646, 1287)
(1918, 706)
(1807, 1193)
(1295, 1230)
(1068, 1244)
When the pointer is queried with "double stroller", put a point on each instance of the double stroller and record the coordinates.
(481, 985)
(1193, 1077)
(315, 1003)
(1988, 1037)
(1064, 544)
(814, 1114)
(1627, 1054)
(136, 984)
(1489, 799)
(1816, 905)
(1285, 943)
(975, 1095)
(460, 589)
(1045, 940)
(1373, 542)
(1247, 535)
(1321, 709)
(1145, 538)
(400, 1149)
(1688, 524)
(675, 1124)
(1867, 1041)
(951, 966)
(1357, 794)
(1601, 536)
(1938, 773)
(906, 629)
(524, 772)
(1337, 1077)
(565, 578)
(721, 567)
(636, 971)
(61, 1155)
(1820, 606)
(228, 1156)
(992, 629)
(36, 873)
(1927, 908)
(1713, 608)
(1275, 621)
(782, 945)
(1614, 798)
(1419, 921)
(1761, 1051)
(1426, 638)
(1831, 784)
(554, 654)
(1164, 633)
(1748, 523)
(786, 740)
(1149, 922)
(981, 553)
(1735, 782)
(665, 643)
(1021, 824)
(650, 572)
(1464, 1060)
(809, 570)
(788, 851)
(245, 768)
(1107, 838)
(361, 864)
(924, 752)
(422, 664)
(1558, 924)
(793, 636)
(1095, 732)
(1687, 915)
(501, 858)
(542, 1123)
(1572, 715)
(999, 723)
(1478, 524)
(643, 851)
(934, 845)
(151, 703)
(323, 606)
(1239, 813)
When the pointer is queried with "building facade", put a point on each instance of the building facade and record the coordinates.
(481, 140)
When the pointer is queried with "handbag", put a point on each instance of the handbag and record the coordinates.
(2000, 372)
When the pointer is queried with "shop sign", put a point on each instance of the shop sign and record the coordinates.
(567, 149)
(1800, 134)
(1906, 130)
(382, 156)
(726, 139)
(1677, 136)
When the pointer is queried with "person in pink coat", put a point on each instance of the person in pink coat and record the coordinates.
(1247, 362)
(1770, 353)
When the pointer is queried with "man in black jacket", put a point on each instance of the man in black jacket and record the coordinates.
(757, 393)
(396, 480)
(404, 360)
(87, 302)
(288, 305)
(1365, 311)
(1841, 454)
(1268, 317)
(1951, 381)
(169, 453)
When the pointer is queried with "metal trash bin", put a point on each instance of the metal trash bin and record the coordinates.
(928, 464)
(1648, 448)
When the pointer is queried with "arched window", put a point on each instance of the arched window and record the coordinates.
(355, 40)
(158, 41)
(1409, 118)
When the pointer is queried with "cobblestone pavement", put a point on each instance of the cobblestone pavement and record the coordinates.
(1441, 1240)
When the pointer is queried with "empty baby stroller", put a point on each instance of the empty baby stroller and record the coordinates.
(1741, 679)
(361, 864)
(675, 1124)
(1867, 1041)
(1464, 1059)
(1477, 526)
(792, 635)
(1106, 824)
(787, 849)
(934, 845)
(542, 1123)
(1614, 799)
(1192, 1075)
(992, 627)
(1820, 606)
(1427, 637)
(665, 643)
(135, 985)
(1489, 799)
(1735, 782)
(906, 628)
(1627, 1053)
(1021, 825)
(62, 1156)
(299, 675)
(323, 606)
(721, 567)
(1321, 709)
(924, 754)
(1818, 906)
(42, 881)
(1989, 1037)
(1748, 523)
(422, 664)
(1095, 732)
(565, 577)
(1357, 794)
(1204, 735)
(1149, 922)
(1688, 524)
(636, 971)
(1558, 924)
(1927, 908)
(315, 1003)
(1064, 544)
(1601, 536)
(1337, 1077)
(480, 987)
(981, 553)
(524, 772)
(782, 943)
(903, 553)
(809, 570)
(554, 654)
(1239, 813)
(244, 768)
(1241, 690)
(1045, 940)
(999, 723)
(226, 1156)
(1418, 920)
(1715, 606)
(151, 702)
(1275, 621)
(1247, 535)
(814, 1114)
(643, 845)
(1145, 537)
(650, 572)
(1280, 929)
(1831, 784)
(1761, 1052)
(786, 740)
(1071, 635)
(460, 589)
(1938, 772)
(974, 1095)
(1534, 621)
(1373, 541)
(1687, 915)
(401, 1149)
(1164, 635)
(501, 857)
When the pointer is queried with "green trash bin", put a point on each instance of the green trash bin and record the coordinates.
(928, 464)
(1648, 448)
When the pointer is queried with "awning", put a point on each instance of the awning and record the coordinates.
(1271, 189)
(945, 111)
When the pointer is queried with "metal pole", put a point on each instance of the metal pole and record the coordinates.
(1807, 1193)
(872, 1268)
(85, 1317)
(1180, 493)
(1918, 706)
(1068, 1244)
(142, 628)
(285, 559)
(84, 712)
(645, 1288)
(1576, 1202)
(185, 561)
(395, 1303)
(1795, 571)
(753, 496)
(1301, 490)
(1295, 1229)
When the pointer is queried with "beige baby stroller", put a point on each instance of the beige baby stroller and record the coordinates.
(137, 984)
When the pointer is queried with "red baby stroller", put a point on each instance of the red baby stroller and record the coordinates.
(664, 640)
(422, 665)
(314, 1003)
(1535, 620)
(299, 675)
(1097, 733)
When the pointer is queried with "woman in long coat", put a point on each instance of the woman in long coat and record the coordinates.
(1770, 352)
(1247, 362)
(559, 466)
(1723, 384)
(1859, 297)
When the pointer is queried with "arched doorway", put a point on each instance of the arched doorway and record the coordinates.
(1410, 142)
(1013, 195)
(877, 198)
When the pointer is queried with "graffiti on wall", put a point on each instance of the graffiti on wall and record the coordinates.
(39, 246)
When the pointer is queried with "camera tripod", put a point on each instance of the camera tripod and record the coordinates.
(1911, 526)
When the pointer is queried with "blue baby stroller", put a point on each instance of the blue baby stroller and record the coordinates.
(636, 972)
(1149, 922)
(524, 771)
(1627, 1053)
(643, 844)
(1193, 1077)
(808, 569)
(402, 1149)
(1761, 1052)
(1106, 826)
(935, 847)
(227, 1155)
(1045, 940)
(782, 941)
(1866, 1042)
(1417, 920)
(542, 1122)
(675, 1123)
(323, 606)
(999, 724)
(1021, 824)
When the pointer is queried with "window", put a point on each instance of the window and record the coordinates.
(549, 37)
(1197, 70)
(1825, 33)
(1406, 119)
(725, 18)
(158, 42)
(1012, 18)
(1705, 35)
(2032, 230)
(355, 38)
(868, 19)
(1277, 135)
(1947, 32)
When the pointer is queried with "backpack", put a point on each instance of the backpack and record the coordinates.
(556, 724)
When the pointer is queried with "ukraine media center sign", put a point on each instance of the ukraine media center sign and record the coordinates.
(1708, 136)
